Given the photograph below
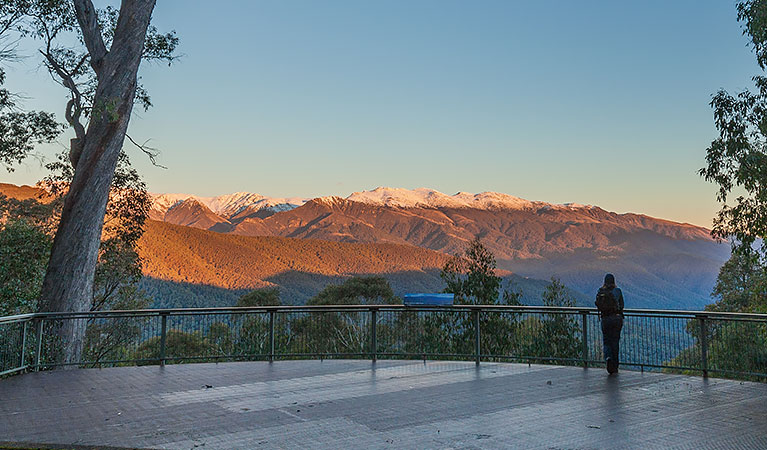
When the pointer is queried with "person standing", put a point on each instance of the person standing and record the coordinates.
(610, 305)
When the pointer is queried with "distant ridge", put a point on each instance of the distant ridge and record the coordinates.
(664, 264)
(233, 204)
(24, 192)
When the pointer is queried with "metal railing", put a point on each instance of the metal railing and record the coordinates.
(726, 344)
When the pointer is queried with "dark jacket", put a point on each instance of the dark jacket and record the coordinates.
(619, 297)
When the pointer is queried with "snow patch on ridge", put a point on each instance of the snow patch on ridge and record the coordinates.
(230, 204)
(430, 198)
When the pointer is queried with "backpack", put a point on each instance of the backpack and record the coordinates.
(606, 302)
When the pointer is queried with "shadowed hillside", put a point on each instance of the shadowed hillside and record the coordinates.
(184, 254)
(187, 267)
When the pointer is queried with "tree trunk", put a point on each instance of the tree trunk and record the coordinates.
(68, 284)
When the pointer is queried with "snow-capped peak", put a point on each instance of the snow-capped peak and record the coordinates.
(430, 198)
(230, 204)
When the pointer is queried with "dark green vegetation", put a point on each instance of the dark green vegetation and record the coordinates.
(369, 290)
(24, 253)
(260, 297)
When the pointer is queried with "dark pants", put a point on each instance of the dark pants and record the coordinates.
(611, 335)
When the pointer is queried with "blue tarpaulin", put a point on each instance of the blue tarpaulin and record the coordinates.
(428, 299)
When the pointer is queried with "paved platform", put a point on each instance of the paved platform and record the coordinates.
(390, 404)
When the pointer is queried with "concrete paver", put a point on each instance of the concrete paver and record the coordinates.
(389, 404)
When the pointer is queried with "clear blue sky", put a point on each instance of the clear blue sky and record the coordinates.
(603, 103)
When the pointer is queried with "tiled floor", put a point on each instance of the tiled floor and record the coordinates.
(392, 404)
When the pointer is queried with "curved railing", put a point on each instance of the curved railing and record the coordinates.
(725, 344)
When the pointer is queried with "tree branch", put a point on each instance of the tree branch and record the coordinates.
(66, 78)
(151, 152)
(10, 21)
(72, 114)
(89, 24)
(74, 107)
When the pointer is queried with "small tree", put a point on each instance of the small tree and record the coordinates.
(471, 277)
(364, 290)
(342, 332)
(254, 332)
(560, 332)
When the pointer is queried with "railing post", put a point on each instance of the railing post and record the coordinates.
(703, 345)
(373, 336)
(271, 335)
(23, 344)
(477, 349)
(585, 336)
(163, 336)
(39, 344)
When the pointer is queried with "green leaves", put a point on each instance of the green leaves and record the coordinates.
(471, 277)
(261, 297)
(21, 131)
(741, 285)
(368, 290)
(737, 159)
(24, 252)
(754, 14)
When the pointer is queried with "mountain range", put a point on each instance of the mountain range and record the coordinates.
(205, 251)
(660, 263)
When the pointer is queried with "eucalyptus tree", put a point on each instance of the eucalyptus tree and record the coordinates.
(99, 69)
(737, 159)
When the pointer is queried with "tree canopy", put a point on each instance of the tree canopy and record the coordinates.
(471, 277)
(366, 290)
(261, 297)
(736, 160)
